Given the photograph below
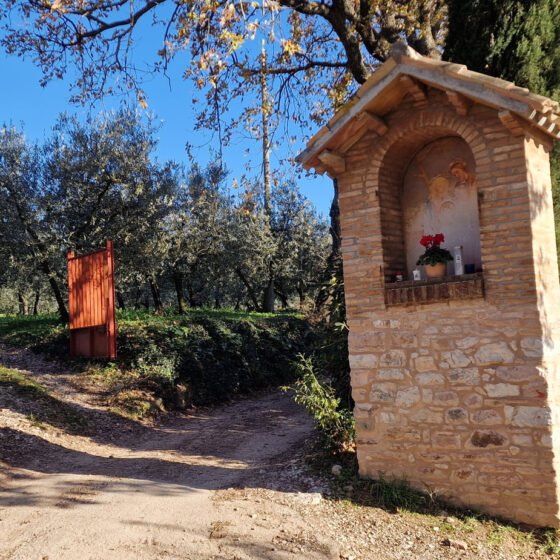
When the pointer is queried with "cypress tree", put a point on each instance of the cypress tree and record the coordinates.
(517, 40)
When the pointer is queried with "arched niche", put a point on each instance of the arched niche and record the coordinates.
(439, 195)
(403, 190)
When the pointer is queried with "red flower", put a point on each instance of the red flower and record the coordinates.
(429, 241)
(426, 241)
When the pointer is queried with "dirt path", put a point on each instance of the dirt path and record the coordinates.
(148, 492)
(223, 484)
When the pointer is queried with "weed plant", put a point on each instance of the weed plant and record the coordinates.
(335, 423)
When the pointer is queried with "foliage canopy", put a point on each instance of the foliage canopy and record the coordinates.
(315, 51)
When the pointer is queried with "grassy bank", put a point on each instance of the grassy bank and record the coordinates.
(170, 360)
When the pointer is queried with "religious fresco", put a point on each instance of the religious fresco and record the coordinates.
(440, 195)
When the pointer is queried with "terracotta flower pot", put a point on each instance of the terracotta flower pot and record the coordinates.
(436, 270)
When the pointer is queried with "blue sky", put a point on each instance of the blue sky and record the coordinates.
(24, 101)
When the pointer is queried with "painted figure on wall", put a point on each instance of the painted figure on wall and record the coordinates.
(440, 195)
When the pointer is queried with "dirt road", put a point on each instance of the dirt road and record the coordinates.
(229, 483)
(129, 491)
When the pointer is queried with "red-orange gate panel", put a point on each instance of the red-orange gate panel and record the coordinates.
(91, 302)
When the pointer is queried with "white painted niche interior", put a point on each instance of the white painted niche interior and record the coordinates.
(440, 196)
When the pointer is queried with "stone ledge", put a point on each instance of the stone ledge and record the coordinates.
(466, 286)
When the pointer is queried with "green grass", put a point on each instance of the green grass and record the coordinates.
(20, 330)
(548, 541)
(46, 409)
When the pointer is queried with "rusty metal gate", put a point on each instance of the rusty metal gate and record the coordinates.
(91, 302)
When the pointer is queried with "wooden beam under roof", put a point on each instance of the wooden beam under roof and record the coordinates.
(512, 122)
(364, 123)
(461, 103)
(414, 87)
(373, 122)
(333, 162)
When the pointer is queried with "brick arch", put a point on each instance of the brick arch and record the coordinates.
(424, 127)
(394, 153)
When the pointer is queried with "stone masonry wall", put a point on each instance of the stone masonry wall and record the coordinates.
(459, 396)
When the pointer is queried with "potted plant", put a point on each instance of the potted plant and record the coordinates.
(435, 258)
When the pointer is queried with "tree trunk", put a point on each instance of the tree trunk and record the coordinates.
(178, 281)
(268, 297)
(301, 293)
(64, 317)
(190, 292)
(335, 223)
(250, 290)
(137, 297)
(283, 297)
(36, 302)
(156, 295)
(39, 251)
(334, 261)
(265, 113)
(23, 307)
(120, 300)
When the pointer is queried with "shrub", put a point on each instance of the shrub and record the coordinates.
(213, 355)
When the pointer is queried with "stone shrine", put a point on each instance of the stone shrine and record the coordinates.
(456, 380)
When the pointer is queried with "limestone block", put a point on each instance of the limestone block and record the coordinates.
(388, 417)
(522, 439)
(484, 438)
(359, 377)
(430, 379)
(443, 343)
(392, 373)
(530, 416)
(467, 342)
(473, 400)
(363, 361)
(456, 359)
(408, 397)
(495, 353)
(532, 347)
(363, 410)
(368, 342)
(427, 395)
(517, 373)
(456, 415)
(464, 474)
(383, 392)
(393, 358)
(404, 339)
(446, 398)
(487, 416)
(537, 388)
(364, 425)
(424, 363)
(464, 376)
(403, 433)
(498, 390)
